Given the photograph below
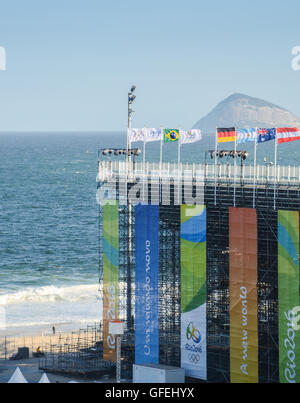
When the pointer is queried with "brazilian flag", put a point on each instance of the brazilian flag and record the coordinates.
(171, 135)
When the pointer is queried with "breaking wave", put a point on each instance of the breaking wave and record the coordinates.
(52, 294)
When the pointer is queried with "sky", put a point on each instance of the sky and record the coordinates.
(70, 63)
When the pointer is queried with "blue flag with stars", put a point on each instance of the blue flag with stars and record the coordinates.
(265, 135)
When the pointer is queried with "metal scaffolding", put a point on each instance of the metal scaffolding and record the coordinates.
(77, 353)
(220, 189)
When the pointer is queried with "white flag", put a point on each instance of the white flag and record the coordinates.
(135, 135)
(191, 136)
(152, 135)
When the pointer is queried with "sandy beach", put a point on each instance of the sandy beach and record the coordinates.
(10, 345)
(46, 341)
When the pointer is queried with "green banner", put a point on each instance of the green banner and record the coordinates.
(288, 295)
(110, 276)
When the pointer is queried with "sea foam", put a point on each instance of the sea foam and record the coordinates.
(83, 292)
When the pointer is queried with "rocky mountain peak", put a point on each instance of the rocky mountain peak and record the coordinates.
(243, 111)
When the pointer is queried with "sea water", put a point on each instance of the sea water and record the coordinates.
(49, 220)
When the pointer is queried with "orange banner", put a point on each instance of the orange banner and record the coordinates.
(243, 295)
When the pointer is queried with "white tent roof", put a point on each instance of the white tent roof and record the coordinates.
(17, 377)
(44, 379)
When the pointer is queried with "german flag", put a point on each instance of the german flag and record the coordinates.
(226, 135)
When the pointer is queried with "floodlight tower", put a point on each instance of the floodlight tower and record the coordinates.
(131, 99)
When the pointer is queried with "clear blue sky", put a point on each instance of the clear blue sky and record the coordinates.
(70, 62)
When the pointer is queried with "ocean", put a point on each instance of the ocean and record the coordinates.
(49, 236)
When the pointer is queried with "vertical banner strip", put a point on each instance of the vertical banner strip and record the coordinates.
(193, 291)
(110, 275)
(243, 295)
(146, 284)
(288, 295)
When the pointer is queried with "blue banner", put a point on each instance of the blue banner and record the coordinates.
(146, 284)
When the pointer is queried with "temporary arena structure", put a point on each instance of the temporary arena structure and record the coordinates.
(211, 287)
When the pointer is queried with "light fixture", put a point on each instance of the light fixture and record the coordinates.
(244, 155)
(137, 151)
(121, 151)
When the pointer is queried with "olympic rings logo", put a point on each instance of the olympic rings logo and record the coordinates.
(194, 358)
(193, 333)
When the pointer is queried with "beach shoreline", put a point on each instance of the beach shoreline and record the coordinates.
(35, 330)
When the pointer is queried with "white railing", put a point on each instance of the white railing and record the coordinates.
(265, 174)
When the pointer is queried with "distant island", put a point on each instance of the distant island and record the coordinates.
(244, 111)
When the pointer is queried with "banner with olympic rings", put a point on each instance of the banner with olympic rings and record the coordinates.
(193, 291)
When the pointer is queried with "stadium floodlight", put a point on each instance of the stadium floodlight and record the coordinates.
(213, 154)
(131, 98)
(244, 155)
(135, 151)
(121, 151)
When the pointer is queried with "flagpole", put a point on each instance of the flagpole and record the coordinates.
(235, 166)
(254, 179)
(275, 168)
(144, 164)
(127, 152)
(179, 159)
(160, 163)
(161, 152)
(127, 162)
(179, 148)
(216, 149)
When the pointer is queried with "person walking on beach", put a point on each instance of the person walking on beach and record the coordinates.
(53, 330)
